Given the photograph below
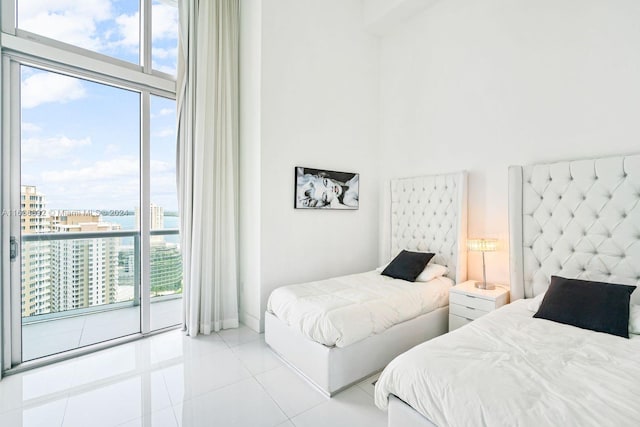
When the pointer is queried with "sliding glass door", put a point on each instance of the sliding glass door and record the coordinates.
(79, 195)
(89, 180)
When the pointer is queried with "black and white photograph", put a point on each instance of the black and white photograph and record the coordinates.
(325, 189)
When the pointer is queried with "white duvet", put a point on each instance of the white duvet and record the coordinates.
(508, 369)
(347, 309)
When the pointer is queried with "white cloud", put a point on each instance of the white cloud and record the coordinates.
(69, 28)
(163, 182)
(102, 170)
(70, 21)
(164, 22)
(51, 148)
(92, 24)
(98, 9)
(112, 149)
(163, 112)
(42, 88)
(129, 29)
(160, 53)
(169, 69)
(119, 194)
(163, 186)
(164, 26)
(160, 167)
(164, 133)
(28, 179)
(173, 3)
(169, 54)
(27, 127)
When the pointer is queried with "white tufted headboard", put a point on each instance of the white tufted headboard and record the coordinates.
(577, 219)
(429, 214)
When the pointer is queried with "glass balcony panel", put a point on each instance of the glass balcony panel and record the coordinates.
(165, 255)
(74, 309)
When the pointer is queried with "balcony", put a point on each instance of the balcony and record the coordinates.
(57, 334)
(70, 320)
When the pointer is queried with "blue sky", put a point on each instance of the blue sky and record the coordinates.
(106, 26)
(80, 140)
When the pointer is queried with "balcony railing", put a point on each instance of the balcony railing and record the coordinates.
(135, 301)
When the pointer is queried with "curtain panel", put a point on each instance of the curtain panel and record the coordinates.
(207, 164)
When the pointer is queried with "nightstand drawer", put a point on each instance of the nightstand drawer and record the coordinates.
(457, 321)
(471, 301)
(465, 311)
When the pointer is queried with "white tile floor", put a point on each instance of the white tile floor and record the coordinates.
(227, 379)
(56, 335)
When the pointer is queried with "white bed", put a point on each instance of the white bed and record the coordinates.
(428, 214)
(577, 219)
(344, 310)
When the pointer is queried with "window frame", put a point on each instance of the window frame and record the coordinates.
(20, 47)
(10, 29)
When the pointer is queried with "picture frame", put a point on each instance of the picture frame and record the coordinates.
(325, 189)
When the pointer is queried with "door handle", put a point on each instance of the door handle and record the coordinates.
(13, 249)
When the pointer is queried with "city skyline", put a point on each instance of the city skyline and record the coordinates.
(61, 274)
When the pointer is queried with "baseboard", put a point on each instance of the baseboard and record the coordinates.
(250, 321)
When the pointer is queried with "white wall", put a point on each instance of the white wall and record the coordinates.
(318, 107)
(249, 154)
(383, 16)
(481, 85)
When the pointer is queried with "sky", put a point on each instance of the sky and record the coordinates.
(80, 139)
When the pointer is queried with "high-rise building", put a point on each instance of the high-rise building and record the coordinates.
(165, 259)
(165, 273)
(84, 272)
(71, 221)
(127, 271)
(36, 284)
(157, 221)
(157, 217)
(166, 269)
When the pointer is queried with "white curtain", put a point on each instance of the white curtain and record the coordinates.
(208, 162)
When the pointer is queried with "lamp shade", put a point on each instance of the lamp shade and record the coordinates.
(482, 245)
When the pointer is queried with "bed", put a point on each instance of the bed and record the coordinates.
(579, 219)
(428, 214)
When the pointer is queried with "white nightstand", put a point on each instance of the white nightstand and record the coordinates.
(467, 303)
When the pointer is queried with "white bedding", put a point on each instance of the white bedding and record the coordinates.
(347, 309)
(507, 368)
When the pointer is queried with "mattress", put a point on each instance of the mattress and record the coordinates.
(344, 310)
(507, 368)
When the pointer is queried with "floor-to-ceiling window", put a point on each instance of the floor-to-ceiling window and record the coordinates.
(88, 162)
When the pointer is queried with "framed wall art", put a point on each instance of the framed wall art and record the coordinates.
(325, 189)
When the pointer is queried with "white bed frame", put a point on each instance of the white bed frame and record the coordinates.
(576, 219)
(428, 214)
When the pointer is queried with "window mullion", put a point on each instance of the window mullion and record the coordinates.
(145, 35)
(8, 14)
(5, 203)
(41, 54)
(145, 209)
(13, 141)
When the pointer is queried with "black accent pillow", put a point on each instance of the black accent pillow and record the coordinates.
(598, 306)
(407, 265)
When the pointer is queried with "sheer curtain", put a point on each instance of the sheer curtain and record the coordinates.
(208, 162)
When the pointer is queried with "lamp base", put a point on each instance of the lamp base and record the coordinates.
(487, 286)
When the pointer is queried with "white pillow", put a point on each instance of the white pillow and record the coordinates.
(634, 319)
(533, 304)
(430, 272)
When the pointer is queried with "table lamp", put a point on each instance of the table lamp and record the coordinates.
(483, 245)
